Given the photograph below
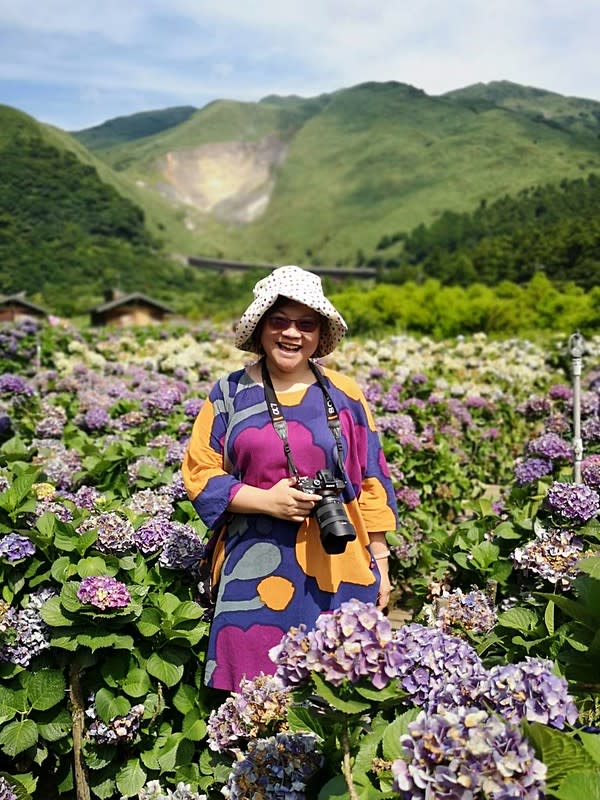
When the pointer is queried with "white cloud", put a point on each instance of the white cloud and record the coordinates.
(192, 51)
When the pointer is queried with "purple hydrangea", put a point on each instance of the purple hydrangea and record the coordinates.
(152, 535)
(573, 503)
(87, 497)
(15, 385)
(25, 632)
(550, 446)
(530, 690)
(590, 471)
(118, 729)
(560, 391)
(590, 431)
(14, 547)
(96, 419)
(163, 400)
(115, 532)
(467, 753)
(408, 497)
(191, 407)
(532, 469)
(276, 767)
(435, 667)
(471, 612)
(351, 643)
(183, 549)
(153, 502)
(553, 555)
(104, 592)
(6, 790)
(535, 407)
(259, 704)
(53, 421)
(183, 791)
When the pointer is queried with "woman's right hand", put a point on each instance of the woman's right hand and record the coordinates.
(287, 502)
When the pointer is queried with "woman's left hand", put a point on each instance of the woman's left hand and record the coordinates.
(385, 587)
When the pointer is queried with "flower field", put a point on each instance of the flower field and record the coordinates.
(490, 688)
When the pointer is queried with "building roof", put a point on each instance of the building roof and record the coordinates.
(20, 300)
(128, 299)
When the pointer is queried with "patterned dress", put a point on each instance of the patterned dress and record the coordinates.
(273, 574)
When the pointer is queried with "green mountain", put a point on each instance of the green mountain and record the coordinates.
(66, 235)
(321, 180)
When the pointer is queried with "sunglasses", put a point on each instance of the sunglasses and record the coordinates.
(278, 322)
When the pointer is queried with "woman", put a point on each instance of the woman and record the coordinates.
(254, 468)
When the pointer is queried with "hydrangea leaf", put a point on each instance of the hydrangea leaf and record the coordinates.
(392, 748)
(591, 742)
(45, 688)
(131, 778)
(560, 752)
(185, 698)
(18, 736)
(591, 566)
(522, 619)
(95, 565)
(137, 683)
(580, 784)
(55, 725)
(194, 727)
(345, 706)
(109, 706)
(164, 669)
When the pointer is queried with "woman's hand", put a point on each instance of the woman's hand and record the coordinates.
(385, 587)
(287, 502)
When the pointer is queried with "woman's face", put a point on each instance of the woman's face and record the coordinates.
(290, 335)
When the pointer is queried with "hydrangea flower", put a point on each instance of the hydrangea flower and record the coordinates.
(103, 592)
(14, 547)
(550, 446)
(183, 549)
(553, 555)
(248, 713)
(276, 767)
(6, 790)
(467, 612)
(14, 385)
(134, 470)
(153, 534)
(435, 667)
(530, 690)
(573, 503)
(115, 532)
(532, 469)
(119, 729)
(95, 419)
(152, 791)
(467, 753)
(153, 502)
(25, 633)
(351, 643)
(590, 470)
(409, 497)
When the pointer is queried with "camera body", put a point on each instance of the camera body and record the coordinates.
(334, 526)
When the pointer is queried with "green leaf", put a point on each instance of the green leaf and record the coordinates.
(194, 727)
(137, 683)
(506, 530)
(185, 698)
(17, 787)
(150, 622)
(302, 719)
(369, 745)
(12, 702)
(45, 688)
(62, 569)
(120, 641)
(588, 616)
(590, 565)
(68, 597)
(521, 619)
(109, 706)
(13, 497)
(18, 736)
(131, 778)
(166, 666)
(325, 691)
(51, 613)
(54, 725)
(579, 785)
(560, 752)
(335, 789)
(392, 748)
(390, 692)
(187, 611)
(485, 554)
(95, 565)
(176, 750)
(591, 743)
(549, 617)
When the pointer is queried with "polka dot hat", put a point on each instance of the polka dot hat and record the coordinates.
(303, 287)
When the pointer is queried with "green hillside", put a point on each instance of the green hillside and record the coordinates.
(65, 235)
(135, 126)
(367, 160)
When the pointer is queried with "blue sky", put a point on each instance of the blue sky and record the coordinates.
(77, 63)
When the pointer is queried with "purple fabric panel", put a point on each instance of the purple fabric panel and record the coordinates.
(211, 504)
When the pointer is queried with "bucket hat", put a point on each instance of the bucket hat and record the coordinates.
(296, 284)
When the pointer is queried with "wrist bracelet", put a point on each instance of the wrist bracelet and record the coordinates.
(379, 556)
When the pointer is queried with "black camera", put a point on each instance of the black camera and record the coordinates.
(334, 526)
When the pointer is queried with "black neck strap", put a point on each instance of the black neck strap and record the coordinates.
(280, 425)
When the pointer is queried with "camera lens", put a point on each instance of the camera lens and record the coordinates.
(335, 527)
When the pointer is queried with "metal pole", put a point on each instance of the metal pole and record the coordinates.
(577, 349)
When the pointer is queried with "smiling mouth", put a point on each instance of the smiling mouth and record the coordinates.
(289, 348)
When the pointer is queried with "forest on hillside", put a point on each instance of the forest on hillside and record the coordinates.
(62, 228)
(553, 229)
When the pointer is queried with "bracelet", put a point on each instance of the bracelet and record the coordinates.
(379, 556)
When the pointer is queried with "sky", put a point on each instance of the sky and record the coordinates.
(77, 63)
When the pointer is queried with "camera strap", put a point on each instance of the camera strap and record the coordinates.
(280, 425)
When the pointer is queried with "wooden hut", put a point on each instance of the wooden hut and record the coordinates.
(15, 307)
(123, 310)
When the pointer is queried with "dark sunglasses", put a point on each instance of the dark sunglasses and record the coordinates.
(305, 324)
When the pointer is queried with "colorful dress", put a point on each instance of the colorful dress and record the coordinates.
(274, 574)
